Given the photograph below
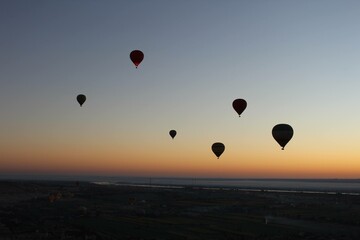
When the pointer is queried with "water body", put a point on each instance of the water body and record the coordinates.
(310, 185)
(331, 186)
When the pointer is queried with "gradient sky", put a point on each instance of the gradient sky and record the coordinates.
(294, 62)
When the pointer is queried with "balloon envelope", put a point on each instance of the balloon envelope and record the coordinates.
(239, 105)
(81, 98)
(172, 133)
(218, 148)
(136, 57)
(282, 133)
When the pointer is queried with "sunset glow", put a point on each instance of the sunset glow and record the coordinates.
(294, 63)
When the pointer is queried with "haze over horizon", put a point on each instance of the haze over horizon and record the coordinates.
(294, 62)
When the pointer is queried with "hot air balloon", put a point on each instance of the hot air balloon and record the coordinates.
(136, 57)
(172, 133)
(81, 98)
(239, 105)
(218, 148)
(282, 133)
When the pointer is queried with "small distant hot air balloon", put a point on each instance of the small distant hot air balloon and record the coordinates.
(81, 98)
(136, 57)
(218, 148)
(239, 105)
(282, 133)
(172, 133)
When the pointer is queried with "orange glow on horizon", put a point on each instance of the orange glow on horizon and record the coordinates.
(189, 167)
(167, 157)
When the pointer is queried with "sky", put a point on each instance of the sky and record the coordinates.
(294, 62)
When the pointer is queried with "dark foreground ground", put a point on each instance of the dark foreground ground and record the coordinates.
(66, 210)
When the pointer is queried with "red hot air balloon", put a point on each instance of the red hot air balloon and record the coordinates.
(282, 133)
(136, 57)
(218, 148)
(81, 98)
(172, 133)
(239, 105)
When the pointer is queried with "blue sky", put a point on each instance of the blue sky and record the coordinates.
(293, 61)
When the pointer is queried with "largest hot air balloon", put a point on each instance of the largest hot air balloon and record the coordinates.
(218, 148)
(81, 98)
(172, 133)
(136, 57)
(239, 105)
(282, 133)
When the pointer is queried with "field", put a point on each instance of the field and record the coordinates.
(69, 210)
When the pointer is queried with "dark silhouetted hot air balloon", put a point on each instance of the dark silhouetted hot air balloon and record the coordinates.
(172, 133)
(282, 133)
(136, 57)
(218, 148)
(81, 98)
(239, 105)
